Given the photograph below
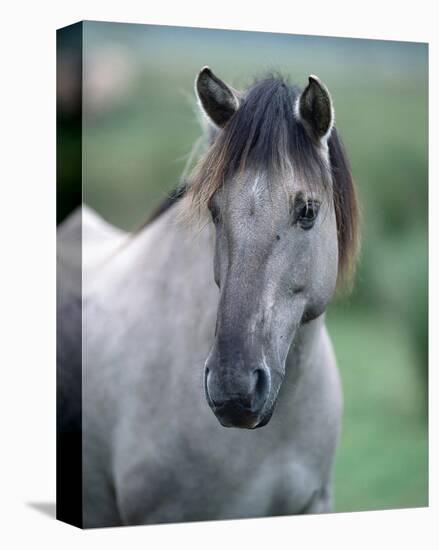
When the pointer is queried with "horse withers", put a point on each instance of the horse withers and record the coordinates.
(213, 396)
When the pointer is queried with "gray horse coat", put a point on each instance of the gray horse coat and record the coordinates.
(153, 451)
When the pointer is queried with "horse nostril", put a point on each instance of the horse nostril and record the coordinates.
(206, 386)
(261, 388)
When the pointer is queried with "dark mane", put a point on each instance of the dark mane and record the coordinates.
(346, 209)
(264, 133)
(173, 197)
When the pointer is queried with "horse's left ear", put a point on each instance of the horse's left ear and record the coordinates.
(217, 99)
(314, 109)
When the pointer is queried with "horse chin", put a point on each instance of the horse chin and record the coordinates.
(246, 422)
(242, 425)
(241, 419)
(236, 417)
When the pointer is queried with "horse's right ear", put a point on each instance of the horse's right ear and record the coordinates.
(218, 101)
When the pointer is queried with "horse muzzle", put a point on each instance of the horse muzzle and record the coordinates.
(237, 396)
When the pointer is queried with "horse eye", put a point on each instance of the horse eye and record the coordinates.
(308, 214)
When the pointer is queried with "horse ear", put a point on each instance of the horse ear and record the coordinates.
(314, 108)
(217, 100)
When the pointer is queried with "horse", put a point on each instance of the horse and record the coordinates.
(209, 383)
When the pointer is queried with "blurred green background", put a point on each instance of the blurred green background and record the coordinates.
(140, 123)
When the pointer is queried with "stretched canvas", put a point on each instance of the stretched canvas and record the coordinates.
(242, 274)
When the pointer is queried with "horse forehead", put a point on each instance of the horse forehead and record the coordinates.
(256, 188)
(253, 208)
(260, 195)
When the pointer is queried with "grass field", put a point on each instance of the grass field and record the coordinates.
(382, 460)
